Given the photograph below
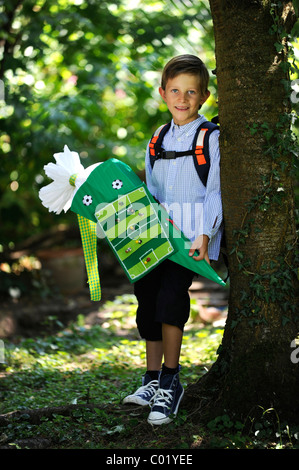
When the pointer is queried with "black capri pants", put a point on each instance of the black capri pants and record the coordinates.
(163, 297)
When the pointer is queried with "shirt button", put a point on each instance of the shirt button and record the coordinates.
(169, 187)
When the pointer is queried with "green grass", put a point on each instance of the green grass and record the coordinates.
(100, 364)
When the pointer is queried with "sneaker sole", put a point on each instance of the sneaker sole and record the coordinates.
(131, 400)
(158, 418)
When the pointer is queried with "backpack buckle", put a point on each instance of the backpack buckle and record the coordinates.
(168, 154)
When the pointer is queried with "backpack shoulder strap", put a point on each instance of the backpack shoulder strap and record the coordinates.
(155, 144)
(201, 156)
(200, 147)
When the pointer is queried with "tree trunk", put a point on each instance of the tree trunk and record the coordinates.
(255, 368)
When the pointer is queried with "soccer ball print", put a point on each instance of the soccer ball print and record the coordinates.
(117, 184)
(87, 200)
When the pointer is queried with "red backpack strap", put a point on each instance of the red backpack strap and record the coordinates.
(155, 145)
(201, 156)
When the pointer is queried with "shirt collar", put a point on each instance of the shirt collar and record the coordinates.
(187, 128)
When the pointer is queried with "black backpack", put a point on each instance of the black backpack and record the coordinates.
(200, 148)
(200, 152)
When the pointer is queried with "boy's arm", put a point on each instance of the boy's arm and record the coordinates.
(212, 207)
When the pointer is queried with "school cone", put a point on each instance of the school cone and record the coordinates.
(110, 200)
(181, 256)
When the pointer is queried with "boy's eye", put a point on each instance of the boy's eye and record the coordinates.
(190, 92)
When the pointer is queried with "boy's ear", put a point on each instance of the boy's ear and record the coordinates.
(205, 97)
(162, 93)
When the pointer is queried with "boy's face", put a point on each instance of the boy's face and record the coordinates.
(183, 97)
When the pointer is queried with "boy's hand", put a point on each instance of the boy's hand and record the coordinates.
(201, 245)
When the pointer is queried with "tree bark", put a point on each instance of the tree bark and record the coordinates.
(254, 369)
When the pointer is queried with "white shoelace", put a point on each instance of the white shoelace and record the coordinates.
(162, 398)
(148, 389)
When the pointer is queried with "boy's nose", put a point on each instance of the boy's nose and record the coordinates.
(182, 97)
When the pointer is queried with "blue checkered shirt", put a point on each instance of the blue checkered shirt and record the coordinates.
(194, 208)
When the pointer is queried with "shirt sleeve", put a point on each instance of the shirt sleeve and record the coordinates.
(212, 208)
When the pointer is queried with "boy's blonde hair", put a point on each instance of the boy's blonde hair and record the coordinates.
(189, 64)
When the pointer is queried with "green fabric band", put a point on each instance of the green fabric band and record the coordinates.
(73, 179)
(89, 243)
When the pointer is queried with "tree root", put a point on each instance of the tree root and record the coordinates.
(35, 416)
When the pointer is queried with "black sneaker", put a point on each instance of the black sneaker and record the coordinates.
(166, 401)
(145, 393)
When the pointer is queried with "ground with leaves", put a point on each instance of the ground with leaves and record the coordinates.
(64, 389)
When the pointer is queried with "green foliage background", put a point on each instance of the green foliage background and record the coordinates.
(86, 74)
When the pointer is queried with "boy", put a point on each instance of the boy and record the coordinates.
(163, 298)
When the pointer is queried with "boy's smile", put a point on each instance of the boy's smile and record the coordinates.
(183, 97)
